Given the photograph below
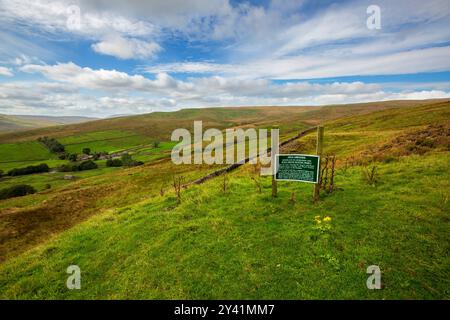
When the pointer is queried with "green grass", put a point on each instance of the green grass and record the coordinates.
(159, 125)
(52, 163)
(130, 242)
(54, 179)
(149, 154)
(24, 151)
(23, 154)
(244, 245)
(93, 136)
(32, 153)
(395, 119)
(109, 141)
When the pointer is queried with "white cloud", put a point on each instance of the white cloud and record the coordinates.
(257, 44)
(164, 84)
(190, 67)
(140, 25)
(112, 80)
(13, 45)
(86, 77)
(6, 72)
(77, 90)
(420, 95)
(318, 66)
(115, 34)
(175, 14)
(123, 48)
(54, 17)
(328, 27)
(37, 98)
(311, 66)
(22, 59)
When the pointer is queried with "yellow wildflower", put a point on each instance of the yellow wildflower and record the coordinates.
(327, 219)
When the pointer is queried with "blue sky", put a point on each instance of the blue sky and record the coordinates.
(101, 58)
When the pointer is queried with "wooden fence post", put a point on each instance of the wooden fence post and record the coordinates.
(319, 149)
(274, 151)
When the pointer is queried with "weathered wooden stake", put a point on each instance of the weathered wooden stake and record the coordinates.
(319, 149)
(274, 187)
(274, 151)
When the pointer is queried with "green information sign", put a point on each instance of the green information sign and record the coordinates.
(297, 167)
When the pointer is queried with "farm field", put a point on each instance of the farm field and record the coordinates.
(126, 224)
(109, 141)
(25, 151)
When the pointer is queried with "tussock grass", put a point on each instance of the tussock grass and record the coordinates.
(132, 241)
(243, 244)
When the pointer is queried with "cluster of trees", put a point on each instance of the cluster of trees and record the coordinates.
(85, 165)
(126, 160)
(63, 156)
(114, 162)
(69, 156)
(52, 144)
(16, 191)
(43, 167)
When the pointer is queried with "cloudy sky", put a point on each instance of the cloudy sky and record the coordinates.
(106, 57)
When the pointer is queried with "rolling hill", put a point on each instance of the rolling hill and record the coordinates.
(132, 239)
(159, 125)
(13, 123)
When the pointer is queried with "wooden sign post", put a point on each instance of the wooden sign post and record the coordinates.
(319, 149)
(297, 167)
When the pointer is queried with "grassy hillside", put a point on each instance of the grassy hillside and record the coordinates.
(123, 133)
(159, 125)
(242, 244)
(131, 239)
(135, 132)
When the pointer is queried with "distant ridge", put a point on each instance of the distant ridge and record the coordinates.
(12, 123)
(120, 115)
(159, 125)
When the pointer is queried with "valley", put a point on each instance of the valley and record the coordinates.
(233, 242)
